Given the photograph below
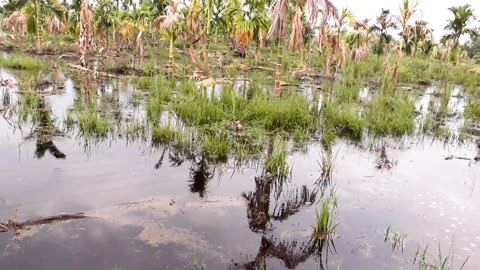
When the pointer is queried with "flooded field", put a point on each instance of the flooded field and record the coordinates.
(403, 202)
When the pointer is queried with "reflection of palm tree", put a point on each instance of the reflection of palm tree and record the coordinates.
(290, 253)
(41, 148)
(259, 218)
(200, 171)
(44, 132)
(200, 174)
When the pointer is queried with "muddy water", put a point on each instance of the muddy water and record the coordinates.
(145, 216)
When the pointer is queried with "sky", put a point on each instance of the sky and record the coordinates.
(433, 11)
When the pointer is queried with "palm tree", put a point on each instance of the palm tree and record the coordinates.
(134, 24)
(85, 39)
(458, 27)
(278, 28)
(384, 23)
(358, 41)
(407, 9)
(169, 27)
(250, 22)
(420, 34)
(105, 19)
(34, 11)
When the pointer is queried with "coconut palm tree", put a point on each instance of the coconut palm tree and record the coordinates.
(311, 9)
(134, 24)
(168, 25)
(86, 31)
(358, 40)
(105, 19)
(250, 22)
(420, 34)
(34, 12)
(407, 10)
(458, 27)
(383, 24)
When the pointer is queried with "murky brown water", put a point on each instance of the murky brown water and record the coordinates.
(167, 217)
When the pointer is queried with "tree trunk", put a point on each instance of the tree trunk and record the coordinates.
(170, 57)
(278, 71)
(37, 22)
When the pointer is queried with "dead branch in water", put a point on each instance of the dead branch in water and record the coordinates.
(15, 226)
(100, 73)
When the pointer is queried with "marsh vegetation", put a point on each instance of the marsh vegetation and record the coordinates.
(219, 128)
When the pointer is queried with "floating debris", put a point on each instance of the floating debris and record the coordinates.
(236, 126)
(383, 162)
(17, 227)
(8, 82)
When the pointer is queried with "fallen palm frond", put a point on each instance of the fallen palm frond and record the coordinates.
(16, 227)
(17, 22)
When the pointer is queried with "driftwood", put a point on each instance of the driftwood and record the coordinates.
(100, 73)
(15, 226)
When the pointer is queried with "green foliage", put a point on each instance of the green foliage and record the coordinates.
(276, 162)
(325, 224)
(216, 145)
(92, 124)
(345, 118)
(472, 110)
(22, 62)
(391, 115)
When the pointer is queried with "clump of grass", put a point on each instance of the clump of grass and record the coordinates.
(159, 97)
(92, 124)
(163, 134)
(287, 113)
(328, 138)
(441, 263)
(396, 238)
(391, 115)
(22, 62)
(276, 163)
(216, 146)
(200, 110)
(345, 118)
(472, 110)
(326, 163)
(29, 103)
(136, 129)
(250, 145)
(445, 95)
(325, 223)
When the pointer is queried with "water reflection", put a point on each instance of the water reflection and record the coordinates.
(200, 174)
(44, 132)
